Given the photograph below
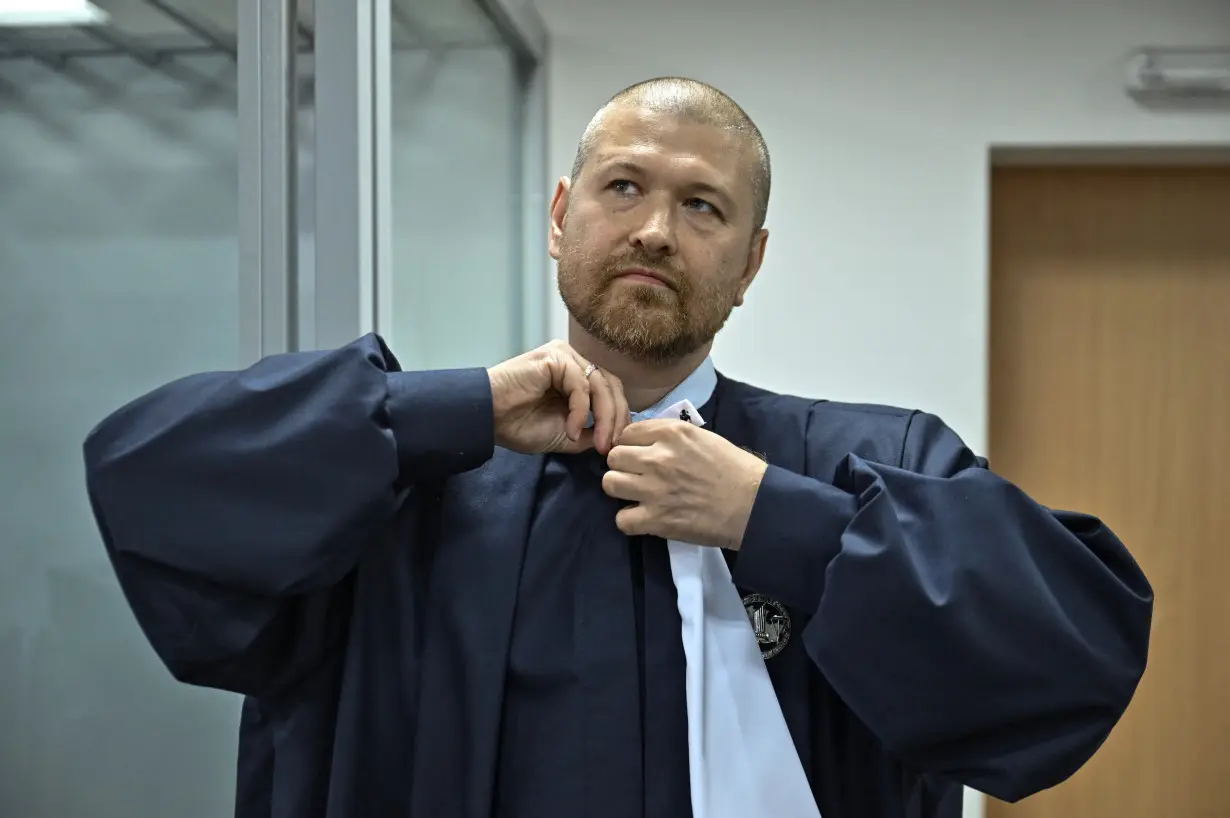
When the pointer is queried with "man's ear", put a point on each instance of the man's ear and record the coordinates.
(559, 210)
(755, 257)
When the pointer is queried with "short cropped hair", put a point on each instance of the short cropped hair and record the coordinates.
(691, 101)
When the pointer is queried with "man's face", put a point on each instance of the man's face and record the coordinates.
(655, 240)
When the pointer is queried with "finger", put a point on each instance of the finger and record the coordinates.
(636, 521)
(603, 405)
(568, 379)
(629, 459)
(648, 432)
(623, 414)
(623, 486)
(583, 443)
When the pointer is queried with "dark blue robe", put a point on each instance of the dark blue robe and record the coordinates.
(343, 544)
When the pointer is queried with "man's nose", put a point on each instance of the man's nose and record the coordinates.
(657, 234)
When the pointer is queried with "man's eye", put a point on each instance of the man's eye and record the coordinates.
(623, 186)
(700, 205)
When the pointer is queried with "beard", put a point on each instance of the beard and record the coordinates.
(647, 323)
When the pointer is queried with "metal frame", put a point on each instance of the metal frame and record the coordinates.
(202, 39)
(268, 224)
(521, 26)
(382, 160)
(352, 154)
(195, 28)
(524, 31)
(19, 48)
(534, 201)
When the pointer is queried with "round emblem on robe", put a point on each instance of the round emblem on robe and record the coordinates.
(770, 622)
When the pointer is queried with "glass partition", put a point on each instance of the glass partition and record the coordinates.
(119, 270)
(466, 207)
(190, 185)
(149, 229)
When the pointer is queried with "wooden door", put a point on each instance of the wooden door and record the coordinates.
(1110, 393)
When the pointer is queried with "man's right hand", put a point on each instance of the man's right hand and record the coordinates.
(543, 398)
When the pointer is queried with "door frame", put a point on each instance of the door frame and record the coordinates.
(1101, 155)
(1034, 154)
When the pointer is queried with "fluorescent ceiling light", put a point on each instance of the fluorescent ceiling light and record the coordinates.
(50, 13)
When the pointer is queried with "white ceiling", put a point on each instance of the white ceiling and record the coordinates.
(428, 23)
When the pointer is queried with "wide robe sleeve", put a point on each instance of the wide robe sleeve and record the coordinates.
(983, 638)
(233, 504)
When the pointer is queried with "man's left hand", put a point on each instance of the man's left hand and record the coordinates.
(688, 484)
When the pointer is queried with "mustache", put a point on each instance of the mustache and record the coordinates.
(613, 267)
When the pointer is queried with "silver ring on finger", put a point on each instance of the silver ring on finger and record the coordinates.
(589, 370)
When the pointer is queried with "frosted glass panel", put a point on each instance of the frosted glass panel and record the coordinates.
(118, 271)
(457, 223)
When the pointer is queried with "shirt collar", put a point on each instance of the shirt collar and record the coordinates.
(697, 387)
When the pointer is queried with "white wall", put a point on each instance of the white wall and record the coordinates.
(879, 117)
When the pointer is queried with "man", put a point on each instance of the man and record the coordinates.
(455, 594)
